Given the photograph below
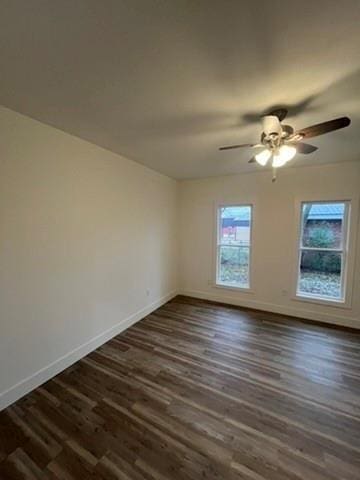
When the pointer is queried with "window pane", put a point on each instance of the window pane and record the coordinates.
(322, 224)
(320, 274)
(235, 225)
(234, 266)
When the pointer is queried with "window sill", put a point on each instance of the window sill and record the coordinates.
(227, 286)
(322, 301)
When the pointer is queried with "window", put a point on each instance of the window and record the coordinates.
(323, 250)
(234, 246)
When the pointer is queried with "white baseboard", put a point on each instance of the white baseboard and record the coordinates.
(33, 381)
(275, 308)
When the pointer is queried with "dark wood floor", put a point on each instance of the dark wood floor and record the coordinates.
(196, 391)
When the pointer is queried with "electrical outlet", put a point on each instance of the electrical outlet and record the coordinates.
(148, 292)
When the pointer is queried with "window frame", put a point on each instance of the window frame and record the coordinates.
(218, 245)
(345, 250)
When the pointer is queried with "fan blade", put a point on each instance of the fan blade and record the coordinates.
(252, 160)
(305, 148)
(237, 146)
(325, 127)
(280, 113)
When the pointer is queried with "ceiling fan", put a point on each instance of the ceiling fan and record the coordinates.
(282, 142)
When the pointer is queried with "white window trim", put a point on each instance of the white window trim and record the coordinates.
(350, 227)
(217, 284)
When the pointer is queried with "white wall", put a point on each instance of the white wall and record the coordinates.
(83, 234)
(274, 236)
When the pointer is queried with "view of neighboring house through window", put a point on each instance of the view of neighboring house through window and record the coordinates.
(234, 245)
(323, 250)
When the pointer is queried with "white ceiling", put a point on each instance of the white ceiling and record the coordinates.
(166, 82)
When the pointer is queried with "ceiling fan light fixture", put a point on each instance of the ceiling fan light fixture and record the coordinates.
(285, 154)
(263, 157)
(281, 142)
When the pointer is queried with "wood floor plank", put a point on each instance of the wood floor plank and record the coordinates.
(196, 390)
